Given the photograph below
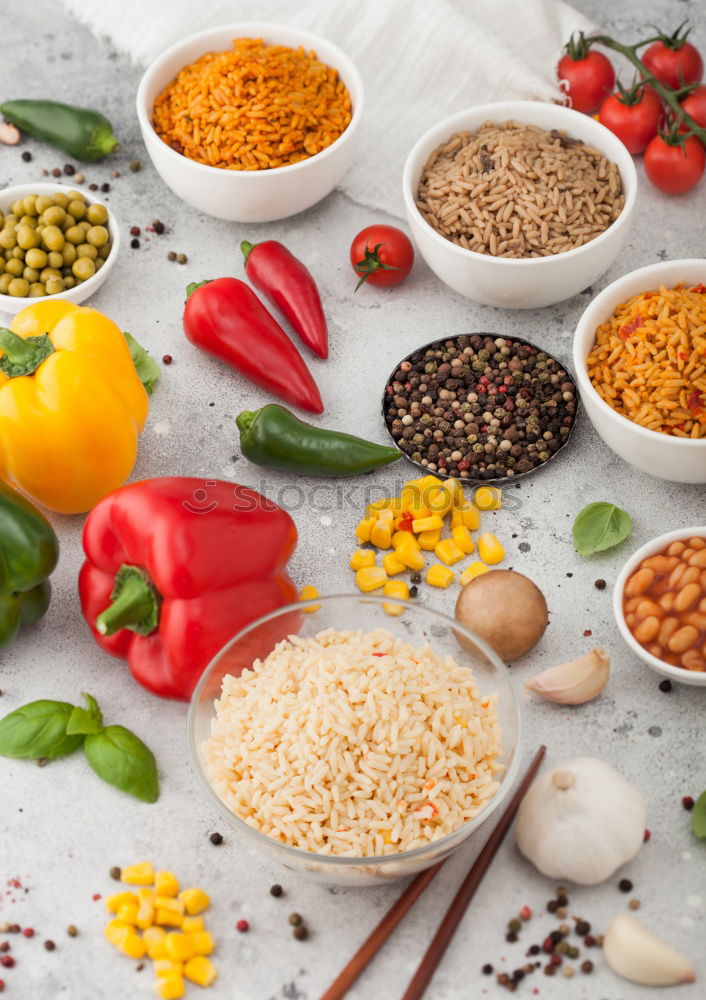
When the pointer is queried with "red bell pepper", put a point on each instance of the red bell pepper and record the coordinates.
(175, 567)
(226, 318)
(289, 286)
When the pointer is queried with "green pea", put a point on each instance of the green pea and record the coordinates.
(98, 263)
(85, 225)
(97, 214)
(14, 267)
(77, 209)
(28, 220)
(18, 207)
(36, 290)
(69, 221)
(60, 199)
(74, 234)
(37, 258)
(68, 255)
(97, 235)
(19, 288)
(55, 285)
(29, 205)
(42, 203)
(5, 280)
(27, 238)
(8, 239)
(30, 274)
(86, 250)
(53, 238)
(11, 219)
(54, 216)
(17, 252)
(83, 268)
(69, 281)
(47, 273)
(55, 259)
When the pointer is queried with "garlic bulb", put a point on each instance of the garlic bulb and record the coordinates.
(581, 821)
(574, 682)
(638, 955)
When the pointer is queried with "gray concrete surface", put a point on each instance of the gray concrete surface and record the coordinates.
(61, 829)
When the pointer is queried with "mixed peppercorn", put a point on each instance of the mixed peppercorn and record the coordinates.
(479, 407)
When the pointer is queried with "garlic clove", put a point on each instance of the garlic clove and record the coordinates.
(575, 682)
(640, 956)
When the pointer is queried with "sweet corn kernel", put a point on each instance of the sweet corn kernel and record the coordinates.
(382, 507)
(167, 918)
(428, 540)
(471, 572)
(146, 896)
(489, 548)
(488, 498)
(128, 913)
(429, 482)
(171, 904)
(114, 902)
(395, 588)
(155, 938)
(456, 518)
(439, 576)
(200, 971)
(142, 874)
(179, 947)
(133, 946)
(116, 931)
(145, 916)
(410, 554)
(386, 516)
(371, 578)
(431, 522)
(418, 508)
(404, 536)
(391, 564)
(456, 490)
(462, 537)
(169, 987)
(362, 531)
(202, 942)
(381, 535)
(407, 496)
(361, 558)
(191, 924)
(167, 967)
(448, 551)
(166, 884)
(470, 517)
(194, 900)
(439, 500)
(305, 594)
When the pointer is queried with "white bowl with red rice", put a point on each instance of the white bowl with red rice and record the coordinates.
(520, 282)
(666, 456)
(249, 195)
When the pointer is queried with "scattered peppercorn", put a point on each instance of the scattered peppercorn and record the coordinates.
(134, 230)
(28, 932)
(5, 946)
(92, 187)
(525, 913)
(135, 166)
(568, 971)
(140, 967)
(573, 951)
(533, 950)
(600, 584)
(56, 172)
(276, 890)
(518, 975)
(116, 173)
(216, 838)
(688, 803)
(582, 927)
(242, 926)
(552, 906)
(49, 945)
(561, 912)
(181, 258)
(634, 904)
(646, 836)
(4, 927)
(7, 961)
(487, 969)
(413, 592)
(69, 169)
(14, 928)
(587, 966)
(158, 226)
(171, 255)
(72, 930)
(665, 685)
(515, 925)
(548, 945)
(167, 359)
(587, 632)
(295, 919)
(556, 959)
(42, 761)
(589, 940)
(556, 936)
(2, 985)
(79, 177)
(115, 873)
(625, 885)
(105, 187)
(549, 970)
(564, 929)
(300, 932)
(27, 156)
(135, 244)
(511, 937)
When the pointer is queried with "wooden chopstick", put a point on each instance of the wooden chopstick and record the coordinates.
(370, 947)
(453, 916)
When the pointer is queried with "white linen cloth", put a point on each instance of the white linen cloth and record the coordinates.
(420, 60)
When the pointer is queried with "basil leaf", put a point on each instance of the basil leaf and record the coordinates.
(38, 729)
(145, 366)
(122, 759)
(600, 526)
(86, 721)
(698, 817)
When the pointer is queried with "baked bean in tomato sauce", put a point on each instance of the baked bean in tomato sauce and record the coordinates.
(664, 603)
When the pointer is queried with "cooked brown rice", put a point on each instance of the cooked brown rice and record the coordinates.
(514, 190)
(354, 744)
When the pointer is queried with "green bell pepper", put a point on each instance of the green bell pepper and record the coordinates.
(29, 551)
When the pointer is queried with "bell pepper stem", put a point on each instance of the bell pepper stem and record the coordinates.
(247, 249)
(245, 420)
(134, 604)
(22, 357)
(191, 288)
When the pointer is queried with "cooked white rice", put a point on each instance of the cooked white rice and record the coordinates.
(354, 744)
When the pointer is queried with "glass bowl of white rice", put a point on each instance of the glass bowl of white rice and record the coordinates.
(355, 739)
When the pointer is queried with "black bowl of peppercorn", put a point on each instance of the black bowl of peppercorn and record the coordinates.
(480, 407)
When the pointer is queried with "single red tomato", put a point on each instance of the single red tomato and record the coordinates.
(634, 116)
(673, 168)
(695, 105)
(381, 255)
(674, 61)
(586, 81)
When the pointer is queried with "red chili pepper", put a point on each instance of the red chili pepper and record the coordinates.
(289, 286)
(175, 567)
(406, 522)
(699, 288)
(694, 402)
(226, 318)
(630, 327)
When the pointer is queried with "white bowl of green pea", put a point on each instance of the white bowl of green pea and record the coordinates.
(56, 248)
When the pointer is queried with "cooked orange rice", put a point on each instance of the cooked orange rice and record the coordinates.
(649, 360)
(253, 107)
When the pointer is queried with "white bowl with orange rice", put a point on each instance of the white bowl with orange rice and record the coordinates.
(244, 188)
(657, 422)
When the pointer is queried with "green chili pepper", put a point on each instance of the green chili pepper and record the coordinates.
(83, 133)
(273, 436)
(29, 552)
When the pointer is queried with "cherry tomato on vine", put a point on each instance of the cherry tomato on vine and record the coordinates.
(382, 256)
(586, 80)
(674, 60)
(675, 168)
(695, 105)
(634, 116)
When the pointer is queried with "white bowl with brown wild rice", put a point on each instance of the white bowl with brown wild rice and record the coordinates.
(354, 745)
(643, 384)
(519, 204)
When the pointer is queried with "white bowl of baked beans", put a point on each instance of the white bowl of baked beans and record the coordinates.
(659, 602)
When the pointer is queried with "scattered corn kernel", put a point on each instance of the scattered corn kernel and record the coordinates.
(142, 874)
(370, 578)
(200, 971)
(470, 517)
(362, 532)
(381, 534)
(462, 537)
(155, 938)
(166, 884)
(202, 942)
(448, 551)
(439, 576)
(305, 594)
(133, 946)
(128, 913)
(410, 554)
(430, 523)
(439, 501)
(179, 947)
(169, 987)
(488, 498)
(456, 518)
(167, 967)
(395, 588)
(145, 916)
(456, 490)
(489, 548)
(428, 540)
(116, 931)
(361, 558)
(171, 904)
(146, 896)
(114, 902)
(387, 515)
(391, 564)
(472, 571)
(194, 900)
(404, 536)
(168, 918)
(191, 924)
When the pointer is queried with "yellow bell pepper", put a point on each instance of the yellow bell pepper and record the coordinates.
(71, 406)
